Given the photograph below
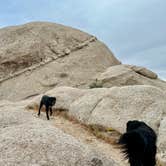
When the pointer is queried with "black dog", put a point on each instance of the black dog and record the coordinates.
(139, 144)
(48, 102)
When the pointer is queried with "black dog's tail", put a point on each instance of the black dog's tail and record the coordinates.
(133, 144)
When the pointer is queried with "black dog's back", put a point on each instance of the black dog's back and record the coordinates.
(47, 100)
(139, 144)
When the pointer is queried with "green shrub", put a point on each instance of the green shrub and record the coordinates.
(96, 84)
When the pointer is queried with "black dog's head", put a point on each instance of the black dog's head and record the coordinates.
(134, 124)
(52, 101)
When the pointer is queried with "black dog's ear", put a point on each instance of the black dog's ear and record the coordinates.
(129, 124)
(133, 124)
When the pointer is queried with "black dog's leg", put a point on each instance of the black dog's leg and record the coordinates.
(150, 160)
(50, 111)
(41, 104)
(47, 109)
(135, 162)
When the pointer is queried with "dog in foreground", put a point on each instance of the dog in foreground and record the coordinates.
(48, 102)
(139, 144)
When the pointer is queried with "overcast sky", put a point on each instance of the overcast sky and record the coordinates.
(135, 30)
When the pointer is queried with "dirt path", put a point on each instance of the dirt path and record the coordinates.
(83, 135)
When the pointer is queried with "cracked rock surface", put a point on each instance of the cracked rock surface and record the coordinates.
(113, 107)
(48, 54)
(29, 141)
(123, 75)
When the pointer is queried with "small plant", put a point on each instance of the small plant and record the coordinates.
(63, 75)
(96, 84)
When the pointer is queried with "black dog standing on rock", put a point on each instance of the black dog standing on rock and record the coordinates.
(139, 144)
(48, 102)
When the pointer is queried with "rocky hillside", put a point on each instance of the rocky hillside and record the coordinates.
(48, 55)
(96, 96)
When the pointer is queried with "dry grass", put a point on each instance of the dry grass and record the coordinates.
(102, 133)
(33, 106)
(106, 134)
(109, 135)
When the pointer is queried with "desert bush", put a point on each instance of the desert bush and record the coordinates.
(96, 84)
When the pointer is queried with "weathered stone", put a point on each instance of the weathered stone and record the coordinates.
(122, 75)
(162, 142)
(26, 140)
(67, 51)
(143, 71)
(113, 107)
(23, 48)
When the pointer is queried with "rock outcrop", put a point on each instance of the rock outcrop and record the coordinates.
(113, 107)
(162, 142)
(48, 55)
(122, 75)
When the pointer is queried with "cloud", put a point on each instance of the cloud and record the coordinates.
(134, 30)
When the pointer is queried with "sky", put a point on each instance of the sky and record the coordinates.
(134, 30)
